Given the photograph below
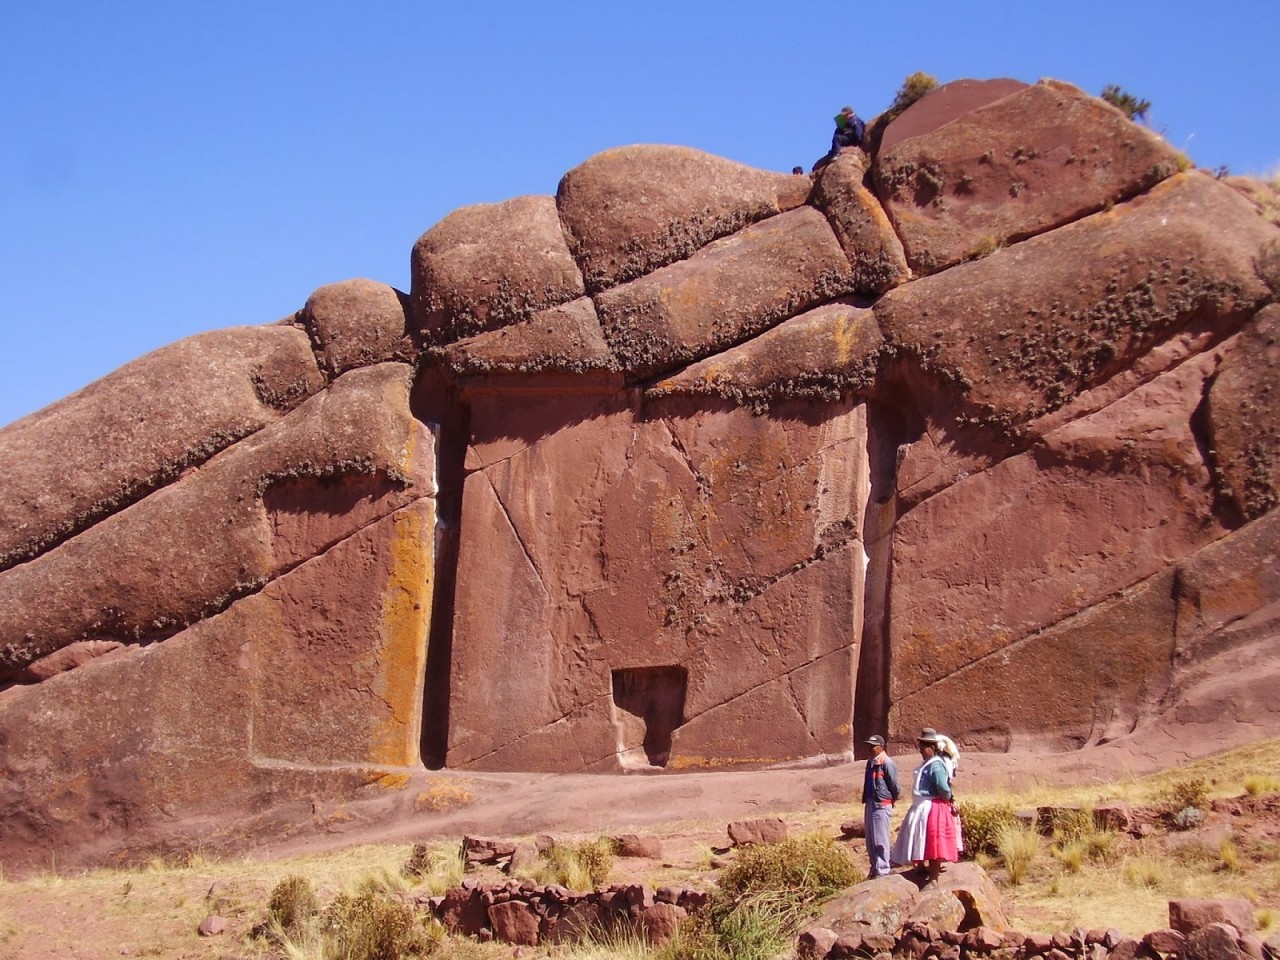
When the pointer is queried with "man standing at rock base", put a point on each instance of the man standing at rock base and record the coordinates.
(879, 791)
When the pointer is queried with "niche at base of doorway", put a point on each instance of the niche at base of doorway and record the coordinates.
(648, 706)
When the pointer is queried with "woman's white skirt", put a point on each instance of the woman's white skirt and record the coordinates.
(909, 847)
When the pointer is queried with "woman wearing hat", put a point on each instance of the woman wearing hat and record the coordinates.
(928, 834)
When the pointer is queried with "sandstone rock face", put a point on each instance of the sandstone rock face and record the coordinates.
(102, 448)
(340, 461)
(487, 266)
(631, 210)
(1244, 416)
(1028, 328)
(679, 609)
(689, 472)
(1030, 161)
(729, 291)
(861, 226)
(356, 323)
(821, 354)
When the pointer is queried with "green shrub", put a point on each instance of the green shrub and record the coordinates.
(1067, 824)
(580, 866)
(763, 898)
(980, 823)
(371, 926)
(1126, 102)
(913, 88)
(292, 903)
(811, 867)
(1191, 792)
(1188, 818)
(1267, 266)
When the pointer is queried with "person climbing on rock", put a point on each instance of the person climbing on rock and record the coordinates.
(850, 131)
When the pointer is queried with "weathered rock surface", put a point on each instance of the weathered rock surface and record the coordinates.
(727, 292)
(100, 449)
(1030, 327)
(563, 339)
(1244, 416)
(1030, 161)
(745, 483)
(357, 323)
(342, 459)
(1189, 915)
(309, 690)
(822, 354)
(488, 266)
(630, 210)
(681, 609)
(861, 225)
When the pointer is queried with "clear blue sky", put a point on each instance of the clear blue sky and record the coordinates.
(170, 167)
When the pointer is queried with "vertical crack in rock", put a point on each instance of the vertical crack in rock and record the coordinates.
(515, 532)
(1225, 509)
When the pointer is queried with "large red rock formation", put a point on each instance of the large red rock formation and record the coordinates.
(690, 466)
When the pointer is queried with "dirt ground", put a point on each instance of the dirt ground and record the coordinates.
(155, 911)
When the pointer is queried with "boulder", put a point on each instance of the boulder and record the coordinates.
(822, 354)
(104, 447)
(1217, 941)
(882, 905)
(514, 921)
(660, 922)
(634, 845)
(563, 339)
(861, 226)
(1165, 941)
(462, 912)
(751, 833)
(727, 292)
(983, 904)
(631, 210)
(213, 926)
(344, 458)
(356, 323)
(1028, 162)
(488, 266)
(1244, 416)
(1027, 329)
(940, 909)
(1189, 915)
(815, 943)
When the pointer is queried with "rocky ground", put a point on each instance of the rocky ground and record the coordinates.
(155, 910)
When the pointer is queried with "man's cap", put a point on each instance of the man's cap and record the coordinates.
(927, 735)
(877, 740)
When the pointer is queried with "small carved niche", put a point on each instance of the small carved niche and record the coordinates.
(648, 706)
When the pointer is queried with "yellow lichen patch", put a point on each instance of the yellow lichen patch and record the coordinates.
(693, 762)
(444, 794)
(391, 781)
(406, 612)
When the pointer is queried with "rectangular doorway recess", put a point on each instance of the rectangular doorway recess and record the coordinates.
(648, 706)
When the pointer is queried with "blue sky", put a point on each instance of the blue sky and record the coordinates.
(171, 167)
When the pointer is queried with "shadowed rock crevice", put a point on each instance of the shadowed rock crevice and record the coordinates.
(648, 706)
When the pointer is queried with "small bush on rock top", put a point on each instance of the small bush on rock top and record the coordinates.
(913, 88)
(1267, 266)
(981, 822)
(1126, 102)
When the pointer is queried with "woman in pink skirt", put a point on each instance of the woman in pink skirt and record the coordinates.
(928, 834)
